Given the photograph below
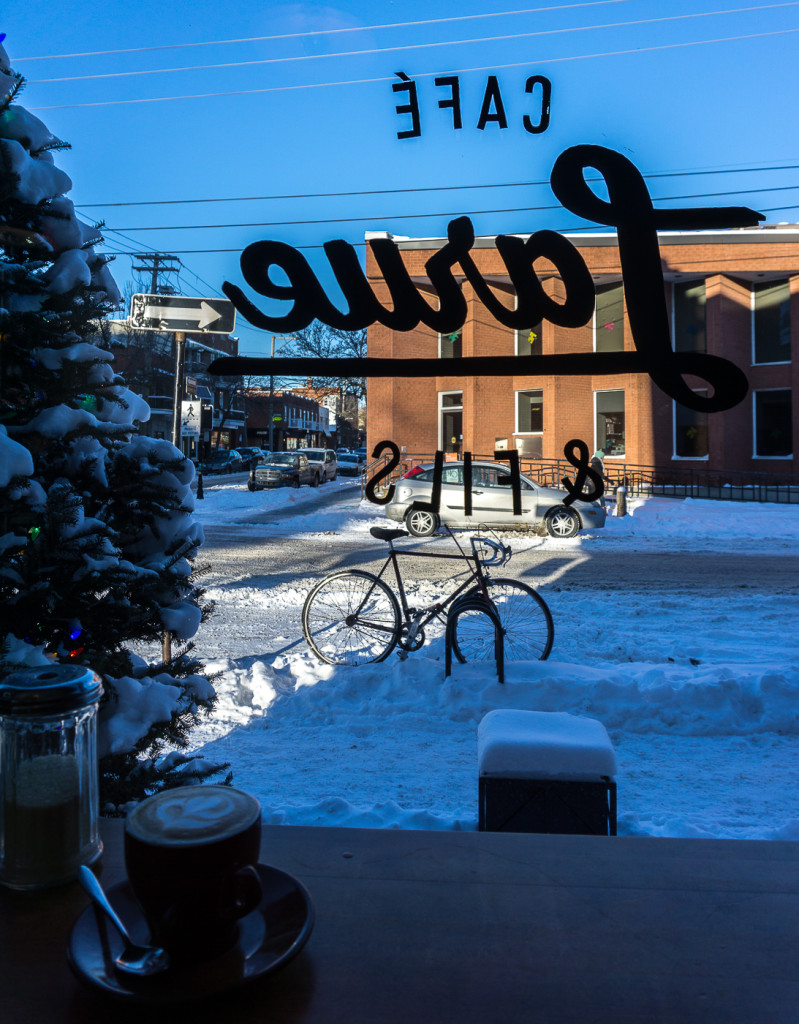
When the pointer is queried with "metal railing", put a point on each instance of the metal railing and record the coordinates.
(639, 480)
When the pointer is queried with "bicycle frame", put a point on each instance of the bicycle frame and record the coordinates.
(416, 619)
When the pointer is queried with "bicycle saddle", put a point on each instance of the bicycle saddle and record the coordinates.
(381, 534)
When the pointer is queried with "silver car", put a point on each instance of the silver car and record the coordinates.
(324, 461)
(492, 503)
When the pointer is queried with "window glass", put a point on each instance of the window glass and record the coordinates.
(690, 432)
(771, 322)
(689, 317)
(609, 318)
(610, 421)
(529, 340)
(452, 399)
(773, 424)
(529, 412)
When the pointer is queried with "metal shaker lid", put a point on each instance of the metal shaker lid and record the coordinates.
(49, 690)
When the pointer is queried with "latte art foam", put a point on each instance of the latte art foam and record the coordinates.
(192, 814)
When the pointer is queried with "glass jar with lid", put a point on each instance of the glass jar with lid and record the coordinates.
(49, 792)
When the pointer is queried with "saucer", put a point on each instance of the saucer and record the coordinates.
(269, 937)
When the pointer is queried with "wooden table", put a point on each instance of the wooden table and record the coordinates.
(435, 927)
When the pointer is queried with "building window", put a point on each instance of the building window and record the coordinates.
(771, 322)
(609, 318)
(688, 319)
(451, 421)
(690, 432)
(609, 421)
(529, 341)
(529, 412)
(773, 426)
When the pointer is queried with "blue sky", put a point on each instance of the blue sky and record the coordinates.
(672, 86)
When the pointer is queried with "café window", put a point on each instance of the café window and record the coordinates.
(529, 341)
(609, 421)
(771, 322)
(773, 424)
(609, 318)
(690, 432)
(688, 316)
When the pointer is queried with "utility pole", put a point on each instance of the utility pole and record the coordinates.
(180, 355)
(158, 263)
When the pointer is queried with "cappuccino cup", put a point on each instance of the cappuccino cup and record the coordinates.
(191, 856)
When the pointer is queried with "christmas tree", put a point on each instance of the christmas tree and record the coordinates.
(97, 538)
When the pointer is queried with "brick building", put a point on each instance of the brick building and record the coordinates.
(732, 293)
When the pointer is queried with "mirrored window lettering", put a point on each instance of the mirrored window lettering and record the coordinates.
(690, 432)
(689, 317)
(610, 422)
(450, 346)
(609, 318)
(773, 428)
(771, 322)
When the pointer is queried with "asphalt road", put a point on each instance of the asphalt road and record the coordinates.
(259, 553)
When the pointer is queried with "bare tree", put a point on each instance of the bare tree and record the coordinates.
(328, 342)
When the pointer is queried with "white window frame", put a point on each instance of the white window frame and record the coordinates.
(777, 362)
(605, 391)
(685, 458)
(525, 433)
(450, 408)
(767, 458)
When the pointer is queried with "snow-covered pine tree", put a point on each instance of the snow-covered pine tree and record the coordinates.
(96, 533)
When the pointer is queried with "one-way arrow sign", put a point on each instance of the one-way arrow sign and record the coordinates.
(181, 313)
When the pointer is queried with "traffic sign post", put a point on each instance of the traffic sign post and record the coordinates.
(181, 313)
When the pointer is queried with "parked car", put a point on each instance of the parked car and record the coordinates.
(492, 502)
(250, 455)
(324, 461)
(350, 464)
(223, 461)
(283, 469)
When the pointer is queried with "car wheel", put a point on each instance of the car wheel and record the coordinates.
(251, 486)
(562, 522)
(315, 480)
(295, 482)
(422, 523)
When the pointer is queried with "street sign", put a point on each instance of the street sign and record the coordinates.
(190, 418)
(181, 313)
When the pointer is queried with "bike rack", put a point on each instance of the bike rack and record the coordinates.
(475, 603)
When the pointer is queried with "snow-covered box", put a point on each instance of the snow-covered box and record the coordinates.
(545, 771)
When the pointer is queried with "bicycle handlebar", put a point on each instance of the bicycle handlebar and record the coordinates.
(500, 553)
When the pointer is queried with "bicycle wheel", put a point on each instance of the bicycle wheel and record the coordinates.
(351, 618)
(524, 615)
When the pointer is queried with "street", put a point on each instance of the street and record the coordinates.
(263, 556)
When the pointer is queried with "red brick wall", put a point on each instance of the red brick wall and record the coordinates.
(406, 409)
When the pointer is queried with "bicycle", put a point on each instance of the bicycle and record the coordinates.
(352, 617)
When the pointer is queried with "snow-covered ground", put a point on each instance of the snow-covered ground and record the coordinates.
(698, 692)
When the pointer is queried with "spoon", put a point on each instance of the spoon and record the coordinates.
(140, 960)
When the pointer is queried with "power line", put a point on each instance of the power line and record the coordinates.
(437, 213)
(322, 32)
(408, 191)
(409, 46)
(427, 74)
